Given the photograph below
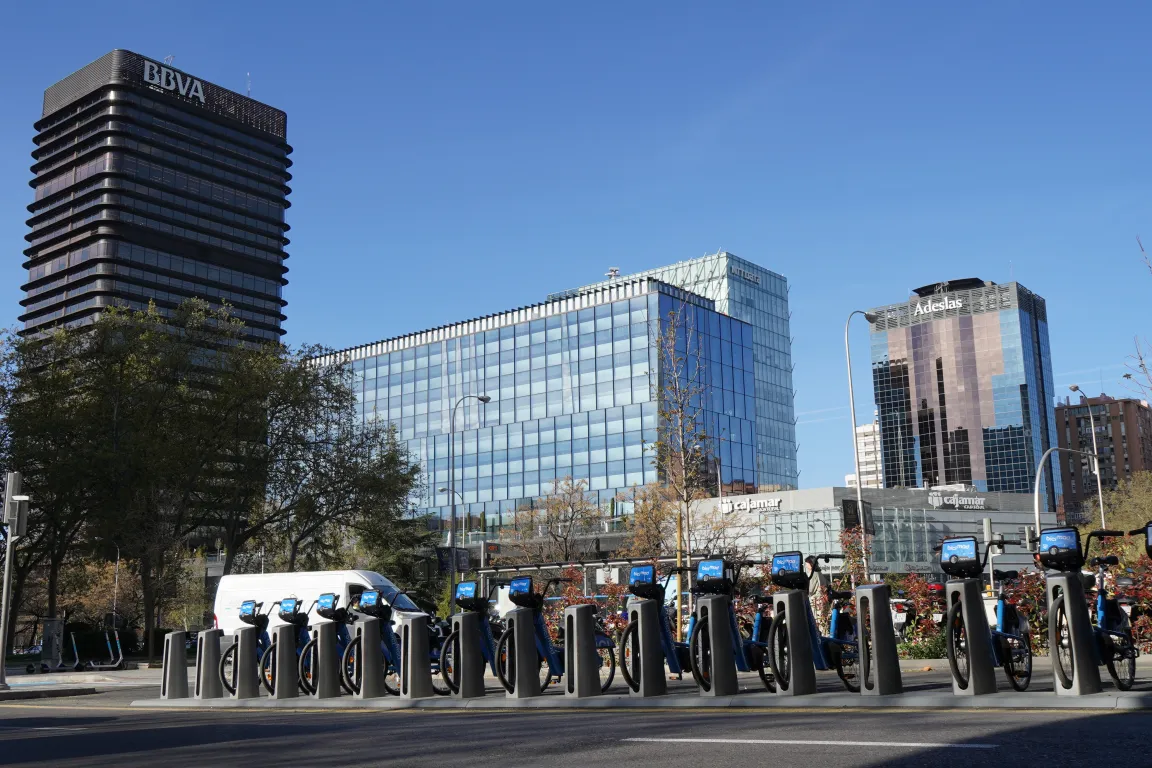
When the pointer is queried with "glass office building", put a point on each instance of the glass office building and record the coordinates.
(758, 296)
(572, 382)
(154, 185)
(963, 383)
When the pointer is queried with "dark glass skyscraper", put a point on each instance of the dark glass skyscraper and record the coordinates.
(155, 185)
(963, 382)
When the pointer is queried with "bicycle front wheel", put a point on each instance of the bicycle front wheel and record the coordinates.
(957, 644)
(629, 658)
(306, 666)
(700, 651)
(268, 669)
(607, 667)
(350, 667)
(1060, 643)
(1121, 661)
(228, 669)
(448, 656)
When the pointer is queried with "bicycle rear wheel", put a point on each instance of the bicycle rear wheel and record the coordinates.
(629, 658)
(607, 667)
(1018, 661)
(847, 656)
(1060, 643)
(1121, 661)
(778, 656)
(957, 643)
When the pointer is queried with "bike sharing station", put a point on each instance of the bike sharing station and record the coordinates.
(366, 655)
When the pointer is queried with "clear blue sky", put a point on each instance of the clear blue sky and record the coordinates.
(455, 159)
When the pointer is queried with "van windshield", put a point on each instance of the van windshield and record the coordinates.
(389, 591)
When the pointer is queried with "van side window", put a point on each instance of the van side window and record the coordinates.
(354, 592)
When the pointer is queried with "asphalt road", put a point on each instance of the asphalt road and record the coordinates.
(103, 730)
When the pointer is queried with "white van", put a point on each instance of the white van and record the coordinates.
(269, 588)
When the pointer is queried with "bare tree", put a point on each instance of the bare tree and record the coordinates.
(563, 526)
(683, 449)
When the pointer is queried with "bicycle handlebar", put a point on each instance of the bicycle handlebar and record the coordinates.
(1139, 532)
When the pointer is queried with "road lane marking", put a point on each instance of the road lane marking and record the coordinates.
(820, 743)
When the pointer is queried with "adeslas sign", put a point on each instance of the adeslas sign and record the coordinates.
(931, 305)
(170, 80)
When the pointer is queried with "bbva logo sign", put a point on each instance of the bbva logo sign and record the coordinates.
(171, 80)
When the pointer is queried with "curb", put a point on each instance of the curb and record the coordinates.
(44, 693)
(911, 700)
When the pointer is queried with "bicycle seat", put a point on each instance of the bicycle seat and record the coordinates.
(1109, 560)
(1124, 581)
(1005, 575)
(835, 594)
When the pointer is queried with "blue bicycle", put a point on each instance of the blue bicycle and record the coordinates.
(719, 577)
(250, 615)
(642, 583)
(291, 614)
(371, 603)
(309, 661)
(1114, 648)
(838, 650)
(469, 601)
(521, 593)
(1010, 639)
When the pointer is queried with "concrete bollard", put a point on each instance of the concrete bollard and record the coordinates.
(174, 680)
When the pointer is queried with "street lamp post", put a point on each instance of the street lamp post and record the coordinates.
(116, 577)
(484, 400)
(871, 318)
(1040, 476)
(1095, 450)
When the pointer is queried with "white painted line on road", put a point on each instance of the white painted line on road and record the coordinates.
(43, 728)
(817, 743)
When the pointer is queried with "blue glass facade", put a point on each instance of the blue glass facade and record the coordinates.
(572, 383)
(963, 383)
(757, 296)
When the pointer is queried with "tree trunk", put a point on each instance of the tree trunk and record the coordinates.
(53, 585)
(148, 586)
(293, 551)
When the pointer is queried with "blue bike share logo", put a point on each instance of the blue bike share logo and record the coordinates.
(520, 586)
(955, 550)
(327, 601)
(710, 569)
(1059, 540)
(465, 589)
(248, 608)
(642, 574)
(369, 598)
(782, 564)
(288, 605)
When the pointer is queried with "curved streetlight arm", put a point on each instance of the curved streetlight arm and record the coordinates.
(855, 447)
(1040, 477)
